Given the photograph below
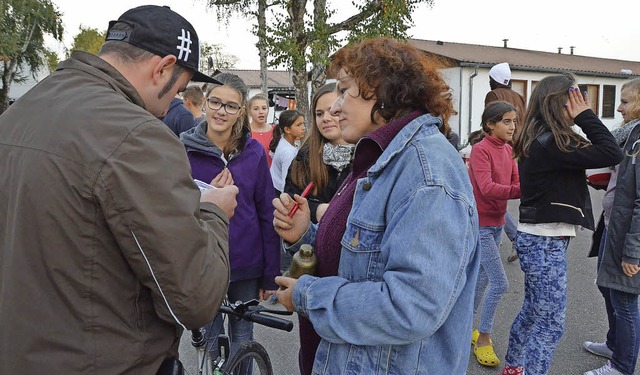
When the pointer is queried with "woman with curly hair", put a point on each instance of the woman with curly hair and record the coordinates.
(395, 275)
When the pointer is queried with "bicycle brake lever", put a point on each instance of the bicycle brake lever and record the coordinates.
(262, 309)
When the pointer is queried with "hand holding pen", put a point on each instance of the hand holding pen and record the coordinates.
(304, 194)
(288, 227)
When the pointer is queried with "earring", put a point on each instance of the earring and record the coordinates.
(382, 106)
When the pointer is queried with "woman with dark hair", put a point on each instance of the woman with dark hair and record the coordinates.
(552, 159)
(494, 177)
(396, 248)
(324, 157)
(283, 147)
(220, 150)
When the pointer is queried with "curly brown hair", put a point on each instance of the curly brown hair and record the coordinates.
(400, 77)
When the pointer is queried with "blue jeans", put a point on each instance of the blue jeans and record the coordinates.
(240, 331)
(611, 333)
(510, 227)
(537, 329)
(623, 336)
(491, 273)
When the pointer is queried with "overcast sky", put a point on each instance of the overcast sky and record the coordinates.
(596, 28)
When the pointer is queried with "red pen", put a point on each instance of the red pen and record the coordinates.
(304, 194)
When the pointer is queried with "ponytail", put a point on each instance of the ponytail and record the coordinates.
(277, 134)
(286, 119)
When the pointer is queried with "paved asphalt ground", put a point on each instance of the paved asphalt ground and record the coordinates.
(586, 317)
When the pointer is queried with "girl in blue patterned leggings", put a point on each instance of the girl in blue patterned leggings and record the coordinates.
(552, 159)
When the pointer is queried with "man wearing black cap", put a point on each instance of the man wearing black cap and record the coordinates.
(108, 250)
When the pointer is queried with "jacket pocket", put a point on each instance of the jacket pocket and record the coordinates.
(363, 255)
(568, 206)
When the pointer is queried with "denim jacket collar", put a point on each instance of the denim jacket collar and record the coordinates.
(420, 125)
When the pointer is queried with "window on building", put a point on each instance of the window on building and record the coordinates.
(533, 85)
(593, 91)
(520, 86)
(608, 101)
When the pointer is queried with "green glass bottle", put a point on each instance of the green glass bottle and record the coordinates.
(303, 263)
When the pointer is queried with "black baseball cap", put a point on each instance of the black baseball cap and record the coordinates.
(159, 30)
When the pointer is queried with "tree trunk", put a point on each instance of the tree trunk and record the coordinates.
(262, 44)
(8, 74)
(321, 52)
(296, 10)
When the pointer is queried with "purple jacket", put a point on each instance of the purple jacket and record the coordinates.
(254, 246)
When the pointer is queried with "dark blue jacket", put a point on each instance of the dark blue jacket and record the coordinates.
(178, 118)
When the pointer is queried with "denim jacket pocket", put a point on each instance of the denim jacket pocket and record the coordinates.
(363, 253)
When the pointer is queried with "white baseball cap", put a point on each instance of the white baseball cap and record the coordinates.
(501, 73)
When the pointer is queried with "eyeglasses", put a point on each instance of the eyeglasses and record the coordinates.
(230, 108)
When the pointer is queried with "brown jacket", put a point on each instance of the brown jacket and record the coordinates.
(106, 252)
(509, 96)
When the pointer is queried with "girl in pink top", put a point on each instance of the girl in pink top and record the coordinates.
(260, 130)
(494, 177)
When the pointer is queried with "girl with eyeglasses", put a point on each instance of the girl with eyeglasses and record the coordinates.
(221, 151)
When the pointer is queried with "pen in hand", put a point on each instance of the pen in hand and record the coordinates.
(304, 194)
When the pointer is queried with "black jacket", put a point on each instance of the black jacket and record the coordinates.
(553, 183)
(334, 181)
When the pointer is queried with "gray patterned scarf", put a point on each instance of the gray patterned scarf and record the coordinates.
(338, 156)
(622, 133)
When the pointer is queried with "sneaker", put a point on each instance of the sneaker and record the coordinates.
(514, 255)
(512, 370)
(607, 369)
(598, 348)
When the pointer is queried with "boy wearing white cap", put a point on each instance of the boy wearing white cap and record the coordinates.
(500, 83)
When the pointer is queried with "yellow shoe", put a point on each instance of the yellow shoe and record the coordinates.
(486, 356)
(474, 337)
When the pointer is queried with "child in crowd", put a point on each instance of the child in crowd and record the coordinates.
(260, 130)
(289, 129)
(552, 159)
(494, 177)
(220, 150)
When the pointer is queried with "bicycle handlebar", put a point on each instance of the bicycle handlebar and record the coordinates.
(253, 313)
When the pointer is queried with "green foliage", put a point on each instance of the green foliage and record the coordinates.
(88, 39)
(391, 19)
(300, 37)
(23, 25)
(52, 60)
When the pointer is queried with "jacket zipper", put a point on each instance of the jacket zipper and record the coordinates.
(568, 205)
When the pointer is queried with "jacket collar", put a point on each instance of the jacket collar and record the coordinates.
(499, 143)
(97, 67)
(425, 125)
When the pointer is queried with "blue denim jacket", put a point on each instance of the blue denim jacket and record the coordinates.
(402, 302)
